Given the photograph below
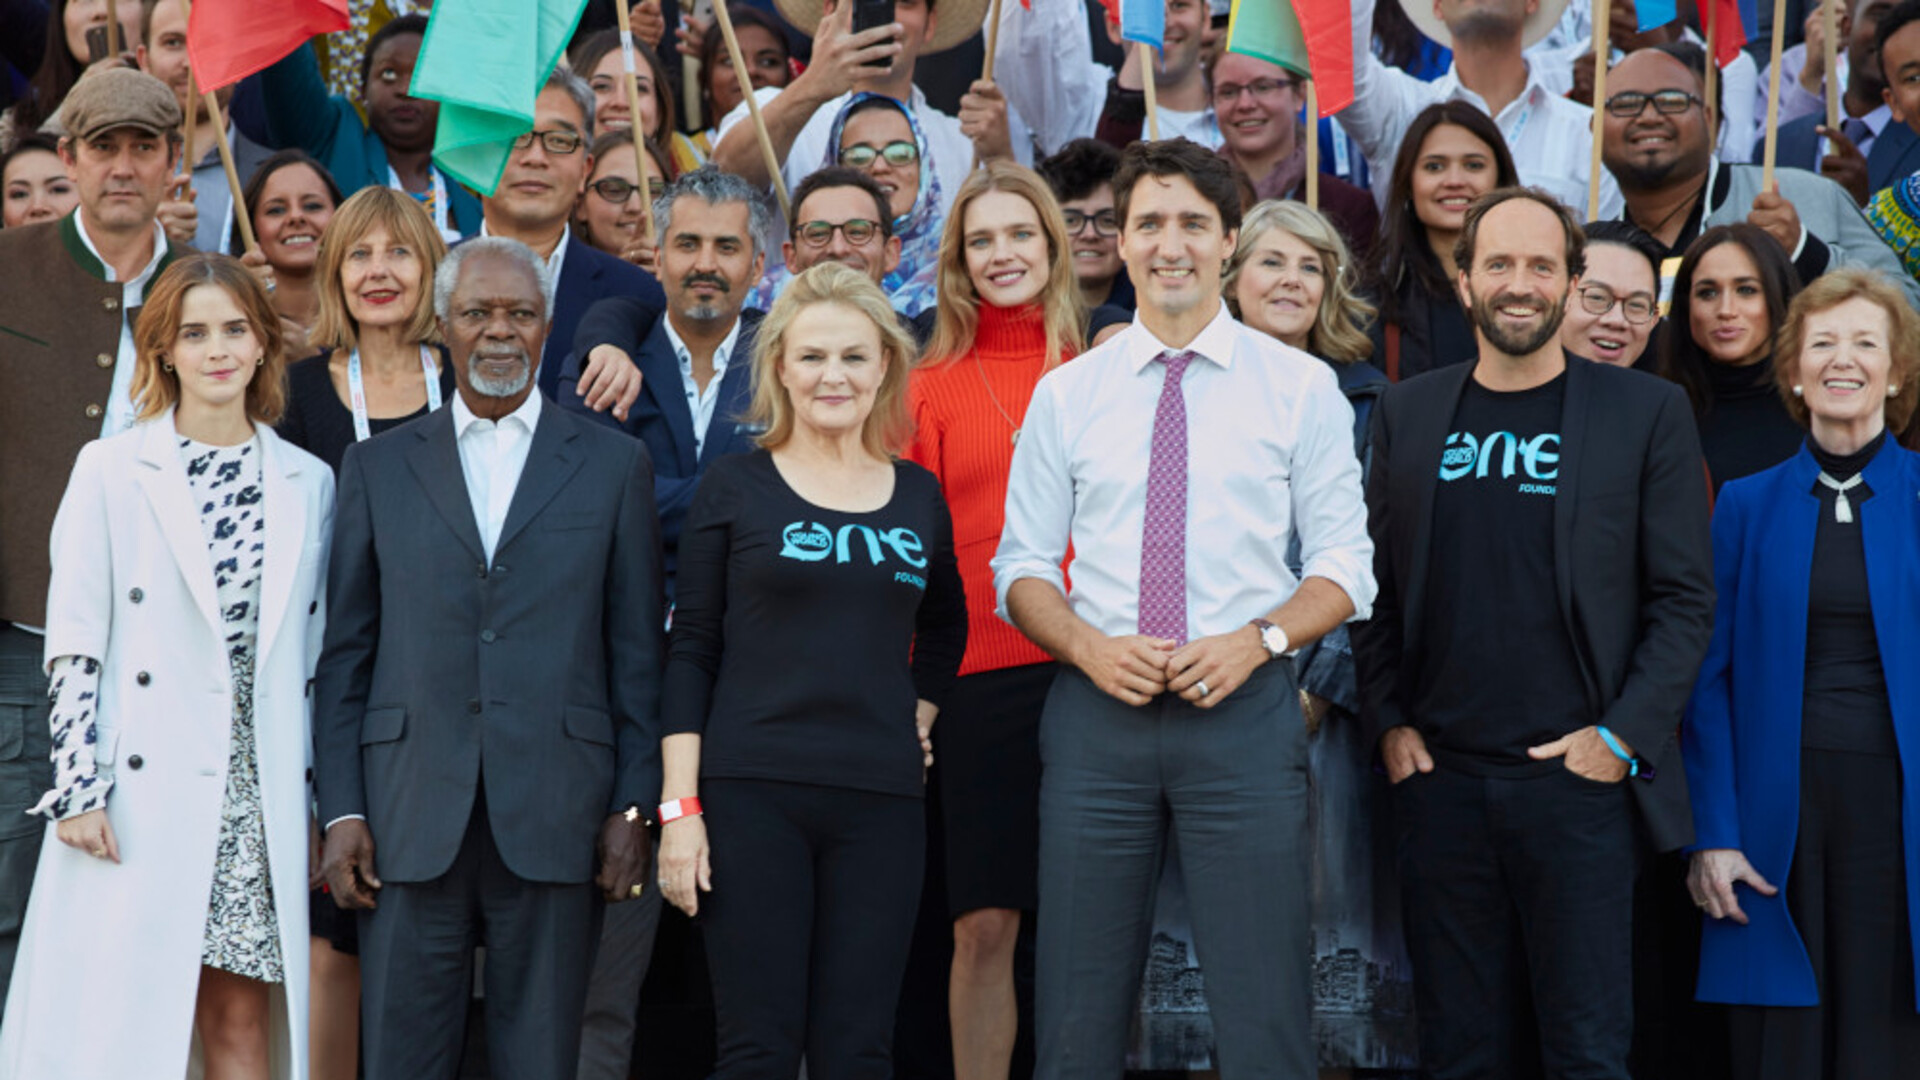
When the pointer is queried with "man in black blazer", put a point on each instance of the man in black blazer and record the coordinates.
(1546, 596)
(485, 712)
(696, 359)
(1873, 149)
(543, 180)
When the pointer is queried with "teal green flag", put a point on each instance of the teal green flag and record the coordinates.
(484, 61)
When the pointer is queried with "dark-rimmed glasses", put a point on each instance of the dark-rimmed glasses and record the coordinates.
(558, 141)
(898, 154)
(1598, 300)
(1104, 223)
(818, 234)
(618, 189)
(1630, 103)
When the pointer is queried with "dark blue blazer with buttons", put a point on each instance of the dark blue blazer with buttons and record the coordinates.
(587, 276)
(1894, 157)
(662, 417)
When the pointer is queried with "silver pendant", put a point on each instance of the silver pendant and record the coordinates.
(1016, 436)
(1842, 508)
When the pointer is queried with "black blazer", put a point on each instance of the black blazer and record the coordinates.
(1895, 156)
(1633, 560)
(661, 418)
(587, 276)
(538, 673)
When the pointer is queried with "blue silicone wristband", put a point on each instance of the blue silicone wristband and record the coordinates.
(1613, 744)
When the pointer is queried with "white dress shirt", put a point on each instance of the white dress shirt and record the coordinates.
(1551, 138)
(1270, 454)
(701, 403)
(120, 405)
(952, 152)
(493, 454)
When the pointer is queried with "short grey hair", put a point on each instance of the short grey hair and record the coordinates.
(448, 276)
(716, 188)
(577, 89)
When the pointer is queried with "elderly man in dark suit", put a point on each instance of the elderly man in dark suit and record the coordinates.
(485, 706)
(545, 176)
(1546, 597)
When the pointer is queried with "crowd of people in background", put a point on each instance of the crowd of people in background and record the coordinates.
(420, 603)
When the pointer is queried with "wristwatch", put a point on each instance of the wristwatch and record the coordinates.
(1272, 638)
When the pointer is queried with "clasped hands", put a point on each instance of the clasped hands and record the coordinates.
(1136, 668)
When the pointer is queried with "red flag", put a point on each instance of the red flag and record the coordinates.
(228, 40)
(1328, 29)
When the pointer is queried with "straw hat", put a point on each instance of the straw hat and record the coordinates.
(957, 20)
(1538, 25)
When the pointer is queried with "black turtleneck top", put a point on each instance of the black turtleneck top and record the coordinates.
(1745, 427)
(1844, 705)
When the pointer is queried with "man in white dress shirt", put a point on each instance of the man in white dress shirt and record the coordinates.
(1169, 715)
(1551, 138)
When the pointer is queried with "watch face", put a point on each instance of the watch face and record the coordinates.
(1271, 638)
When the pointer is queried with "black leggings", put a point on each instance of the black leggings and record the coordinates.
(815, 890)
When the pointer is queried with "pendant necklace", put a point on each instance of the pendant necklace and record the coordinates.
(995, 398)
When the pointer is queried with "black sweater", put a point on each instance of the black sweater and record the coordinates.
(803, 635)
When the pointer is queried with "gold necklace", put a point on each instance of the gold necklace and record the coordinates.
(995, 398)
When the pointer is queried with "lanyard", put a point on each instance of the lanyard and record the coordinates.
(357, 391)
(436, 201)
(1519, 125)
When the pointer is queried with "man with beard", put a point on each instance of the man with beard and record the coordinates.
(544, 179)
(1871, 149)
(392, 146)
(485, 706)
(695, 362)
(1546, 596)
(1550, 137)
(1655, 142)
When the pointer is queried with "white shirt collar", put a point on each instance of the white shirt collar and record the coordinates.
(1214, 342)
(722, 353)
(140, 279)
(555, 261)
(1534, 92)
(527, 415)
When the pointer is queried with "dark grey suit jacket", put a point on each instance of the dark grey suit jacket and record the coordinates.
(538, 675)
(1895, 154)
(1632, 559)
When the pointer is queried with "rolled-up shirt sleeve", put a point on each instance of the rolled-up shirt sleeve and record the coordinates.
(1329, 510)
(1039, 520)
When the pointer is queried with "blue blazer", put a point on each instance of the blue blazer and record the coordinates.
(587, 276)
(1895, 156)
(661, 417)
(1741, 739)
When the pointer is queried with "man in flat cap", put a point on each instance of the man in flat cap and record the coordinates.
(69, 291)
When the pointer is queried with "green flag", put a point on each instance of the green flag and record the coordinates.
(1269, 30)
(484, 61)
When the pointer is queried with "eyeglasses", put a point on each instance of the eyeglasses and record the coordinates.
(556, 142)
(1629, 103)
(1259, 88)
(898, 154)
(818, 234)
(617, 190)
(1104, 223)
(1598, 300)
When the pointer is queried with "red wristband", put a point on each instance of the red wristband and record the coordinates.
(679, 808)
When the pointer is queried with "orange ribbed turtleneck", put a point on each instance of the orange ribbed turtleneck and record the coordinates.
(965, 412)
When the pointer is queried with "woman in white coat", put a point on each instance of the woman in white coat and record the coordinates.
(167, 932)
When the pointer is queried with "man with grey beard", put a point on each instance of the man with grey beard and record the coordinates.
(1546, 595)
(486, 701)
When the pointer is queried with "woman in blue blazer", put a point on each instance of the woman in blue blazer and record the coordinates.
(1806, 718)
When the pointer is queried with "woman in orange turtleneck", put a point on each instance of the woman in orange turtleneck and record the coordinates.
(1009, 312)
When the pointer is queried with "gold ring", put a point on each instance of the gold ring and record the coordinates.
(635, 892)
(99, 853)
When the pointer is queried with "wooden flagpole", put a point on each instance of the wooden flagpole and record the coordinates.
(631, 80)
(986, 68)
(1712, 81)
(212, 102)
(1312, 134)
(725, 22)
(114, 44)
(1832, 58)
(188, 162)
(1770, 152)
(1148, 58)
(1602, 52)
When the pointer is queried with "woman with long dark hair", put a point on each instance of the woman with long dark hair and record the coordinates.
(1730, 297)
(1452, 155)
(289, 200)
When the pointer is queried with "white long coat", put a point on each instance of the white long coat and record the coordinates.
(110, 954)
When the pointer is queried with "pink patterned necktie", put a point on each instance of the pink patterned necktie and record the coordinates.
(1163, 535)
